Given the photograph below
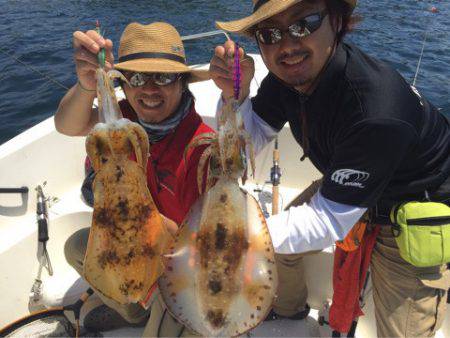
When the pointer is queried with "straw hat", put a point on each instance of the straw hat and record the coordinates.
(262, 10)
(155, 48)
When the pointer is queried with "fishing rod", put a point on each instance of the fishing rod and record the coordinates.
(204, 35)
(43, 237)
(51, 79)
(275, 176)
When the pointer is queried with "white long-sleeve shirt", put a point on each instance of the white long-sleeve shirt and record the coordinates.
(308, 227)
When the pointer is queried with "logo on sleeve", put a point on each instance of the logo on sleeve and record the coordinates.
(350, 177)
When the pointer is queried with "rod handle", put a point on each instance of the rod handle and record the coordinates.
(276, 156)
(275, 199)
(42, 230)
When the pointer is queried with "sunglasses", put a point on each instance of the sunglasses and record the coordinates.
(300, 29)
(159, 79)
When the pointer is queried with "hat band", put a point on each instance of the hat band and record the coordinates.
(151, 55)
(259, 4)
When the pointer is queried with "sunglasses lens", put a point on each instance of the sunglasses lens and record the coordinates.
(268, 36)
(305, 26)
(159, 79)
(164, 79)
(299, 30)
(313, 22)
(138, 79)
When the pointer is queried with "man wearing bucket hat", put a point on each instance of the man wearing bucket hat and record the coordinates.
(152, 58)
(376, 141)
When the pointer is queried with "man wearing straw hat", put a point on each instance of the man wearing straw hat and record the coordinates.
(153, 60)
(374, 138)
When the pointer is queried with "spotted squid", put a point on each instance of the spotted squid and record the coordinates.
(127, 236)
(220, 277)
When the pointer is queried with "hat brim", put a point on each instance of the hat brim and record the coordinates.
(242, 26)
(163, 66)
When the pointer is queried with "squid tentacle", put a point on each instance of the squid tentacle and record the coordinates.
(201, 167)
(202, 139)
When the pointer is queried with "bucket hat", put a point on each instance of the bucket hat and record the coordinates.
(155, 48)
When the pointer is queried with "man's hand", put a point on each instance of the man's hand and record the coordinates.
(86, 46)
(221, 70)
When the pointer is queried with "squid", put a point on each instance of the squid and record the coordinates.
(127, 236)
(220, 277)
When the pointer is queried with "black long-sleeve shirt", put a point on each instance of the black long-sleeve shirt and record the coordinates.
(372, 135)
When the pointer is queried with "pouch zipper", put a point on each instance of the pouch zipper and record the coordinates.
(440, 220)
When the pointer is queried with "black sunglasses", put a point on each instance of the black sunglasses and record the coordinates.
(159, 79)
(300, 29)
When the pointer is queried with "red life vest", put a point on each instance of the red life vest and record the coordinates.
(172, 181)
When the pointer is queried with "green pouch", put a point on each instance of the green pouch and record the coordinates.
(422, 232)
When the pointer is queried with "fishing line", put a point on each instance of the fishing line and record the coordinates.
(49, 78)
(420, 59)
(432, 10)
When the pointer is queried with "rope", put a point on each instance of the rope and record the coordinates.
(49, 78)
